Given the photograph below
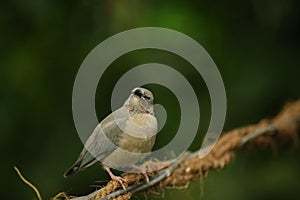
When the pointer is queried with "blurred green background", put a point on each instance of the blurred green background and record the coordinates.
(254, 43)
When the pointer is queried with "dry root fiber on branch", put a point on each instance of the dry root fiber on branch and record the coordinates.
(282, 129)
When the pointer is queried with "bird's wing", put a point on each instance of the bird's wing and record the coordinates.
(104, 139)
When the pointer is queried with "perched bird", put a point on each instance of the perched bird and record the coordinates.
(130, 129)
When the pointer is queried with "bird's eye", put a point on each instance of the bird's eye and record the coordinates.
(146, 97)
(138, 93)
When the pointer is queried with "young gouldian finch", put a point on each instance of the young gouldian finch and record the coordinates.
(118, 140)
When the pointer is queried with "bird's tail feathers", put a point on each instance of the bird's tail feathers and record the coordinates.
(73, 170)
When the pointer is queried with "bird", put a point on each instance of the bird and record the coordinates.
(130, 129)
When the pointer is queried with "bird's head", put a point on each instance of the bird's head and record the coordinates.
(140, 100)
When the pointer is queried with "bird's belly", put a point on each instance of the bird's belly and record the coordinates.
(136, 145)
(120, 159)
(130, 150)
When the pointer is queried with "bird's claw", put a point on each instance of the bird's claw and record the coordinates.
(146, 177)
(120, 180)
(142, 171)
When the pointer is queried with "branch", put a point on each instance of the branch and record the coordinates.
(281, 130)
(28, 183)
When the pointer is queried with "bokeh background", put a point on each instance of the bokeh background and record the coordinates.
(255, 45)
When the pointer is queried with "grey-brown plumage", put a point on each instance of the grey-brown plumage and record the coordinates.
(131, 128)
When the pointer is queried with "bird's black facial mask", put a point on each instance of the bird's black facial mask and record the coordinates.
(138, 93)
(145, 100)
(142, 95)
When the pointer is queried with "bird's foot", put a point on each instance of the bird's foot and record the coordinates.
(143, 172)
(120, 180)
(116, 178)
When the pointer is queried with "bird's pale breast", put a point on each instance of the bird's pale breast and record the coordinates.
(142, 143)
